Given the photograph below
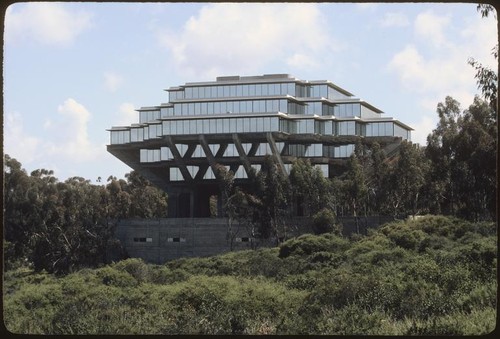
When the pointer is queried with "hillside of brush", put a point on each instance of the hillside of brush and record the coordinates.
(431, 276)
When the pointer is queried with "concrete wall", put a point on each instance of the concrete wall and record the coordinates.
(161, 240)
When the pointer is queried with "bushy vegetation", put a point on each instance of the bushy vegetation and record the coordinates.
(431, 276)
(63, 226)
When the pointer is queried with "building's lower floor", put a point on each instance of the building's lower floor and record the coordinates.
(160, 240)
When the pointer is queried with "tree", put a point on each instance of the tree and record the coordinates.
(487, 79)
(462, 153)
(324, 221)
(407, 179)
(355, 187)
(274, 191)
(440, 151)
(377, 192)
(476, 159)
(63, 226)
(146, 201)
(310, 189)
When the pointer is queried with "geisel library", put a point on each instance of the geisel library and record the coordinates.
(236, 121)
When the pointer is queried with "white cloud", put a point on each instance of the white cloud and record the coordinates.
(63, 139)
(236, 38)
(422, 129)
(299, 60)
(18, 143)
(393, 19)
(112, 81)
(435, 73)
(72, 139)
(431, 27)
(46, 23)
(127, 114)
(367, 6)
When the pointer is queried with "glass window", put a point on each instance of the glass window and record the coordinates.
(223, 107)
(246, 125)
(260, 125)
(276, 105)
(217, 108)
(177, 109)
(210, 108)
(239, 91)
(226, 91)
(245, 90)
(225, 125)
(243, 107)
(212, 126)
(389, 128)
(251, 90)
(265, 90)
(220, 92)
(189, 92)
(356, 110)
(192, 126)
(232, 125)
(196, 92)
(283, 106)
(253, 125)
(114, 137)
(258, 89)
(219, 127)
(203, 108)
(232, 91)
(274, 124)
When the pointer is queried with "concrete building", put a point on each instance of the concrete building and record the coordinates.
(236, 121)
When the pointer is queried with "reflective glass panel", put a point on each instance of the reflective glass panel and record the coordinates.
(258, 89)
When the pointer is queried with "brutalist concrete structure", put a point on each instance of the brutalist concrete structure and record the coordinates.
(235, 121)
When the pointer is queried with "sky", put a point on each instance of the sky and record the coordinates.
(74, 69)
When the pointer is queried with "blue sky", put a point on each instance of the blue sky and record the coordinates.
(72, 70)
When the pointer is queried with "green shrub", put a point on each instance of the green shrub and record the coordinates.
(113, 277)
(324, 221)
(430, 276)
(136, 267)
(307, 244)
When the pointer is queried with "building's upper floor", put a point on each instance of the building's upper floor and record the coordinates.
(260, 94)
(268, 103)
